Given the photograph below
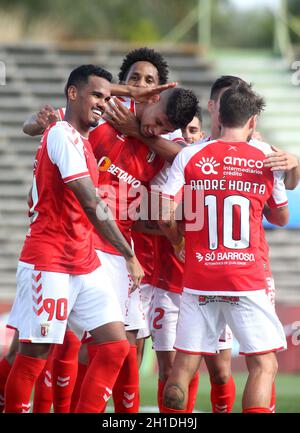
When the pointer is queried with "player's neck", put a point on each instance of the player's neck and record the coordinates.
(139, 108)
(76, 123)
(234, 134)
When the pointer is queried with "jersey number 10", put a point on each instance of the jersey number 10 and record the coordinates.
(227, 224)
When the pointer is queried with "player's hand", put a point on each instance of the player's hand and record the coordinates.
(142, 94)
(136, 273)
(122, 119)
(281, 160)
(179, 250)
(46, 116)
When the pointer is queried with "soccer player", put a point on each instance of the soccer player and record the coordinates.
(224, 279)
(138, 166)
(163, 278)
(126, 164)
(58, 276)
(193, 131)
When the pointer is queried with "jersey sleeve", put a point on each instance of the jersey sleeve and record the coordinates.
(174, 136)
(61, 113)
(66, 151)
(176, 178)
(278, 197)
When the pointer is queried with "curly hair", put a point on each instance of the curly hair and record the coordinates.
(182, 106)
(145, 55)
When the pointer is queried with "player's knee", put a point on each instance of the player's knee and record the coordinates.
(263, 364)
(220, 376)
(165, 367)
(174, 397)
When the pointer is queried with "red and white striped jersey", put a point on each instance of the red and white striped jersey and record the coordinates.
(60, 235)
(224, 255)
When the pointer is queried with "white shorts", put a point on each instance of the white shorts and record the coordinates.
(164, 319)
(47, 301)
(225, 339)
(114, 269)
(271, 290)
(147, 291)
(252, 320)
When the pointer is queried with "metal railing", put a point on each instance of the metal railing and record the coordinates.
(201, 15)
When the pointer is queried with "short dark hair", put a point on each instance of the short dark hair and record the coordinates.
(81, 75)
(145, 55)
(198, 114)
(238, 104)
(222, 83)
(181, 107)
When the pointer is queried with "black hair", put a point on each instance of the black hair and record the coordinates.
(238, 104)
(81, 75)
(181, 107)
(198, 114)
(223, 82)
(145, 55)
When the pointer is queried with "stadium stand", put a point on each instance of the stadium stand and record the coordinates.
(35, 75)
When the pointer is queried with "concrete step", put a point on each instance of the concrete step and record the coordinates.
(14, 222)
(12, 191)
(271, 121)
(14, 236)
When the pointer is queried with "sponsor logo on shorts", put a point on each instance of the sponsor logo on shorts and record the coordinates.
(45, 329)
(203, 299)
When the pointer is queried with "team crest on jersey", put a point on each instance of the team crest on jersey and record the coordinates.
(150, 157)
(208, 165)
(45, 329)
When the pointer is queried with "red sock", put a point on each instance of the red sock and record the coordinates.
(92, 350)
(64, 372)
(160, 390)
(42, 401)
(222, 396)
(20, 382)
(257, 410)
(273, 399)
(126, 389)
(101, 376)
(82, 369)
(5, 368)
(193, 389)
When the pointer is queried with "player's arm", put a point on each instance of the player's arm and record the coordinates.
(148, 227)
(278, 216)
(169, 203)
(100, 216)
(126, 122)
(170, 227)
(140, 94)
(38, 122)
(287, 162)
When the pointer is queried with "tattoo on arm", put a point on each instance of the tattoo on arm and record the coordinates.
(100, 215)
